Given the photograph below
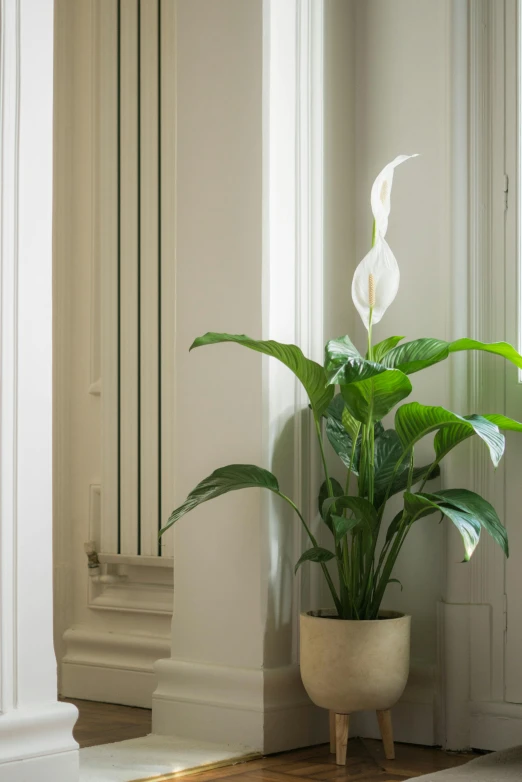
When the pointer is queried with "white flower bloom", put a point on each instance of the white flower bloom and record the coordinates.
(381, 193)
(375, 282)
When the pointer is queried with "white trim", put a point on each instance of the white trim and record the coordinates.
(309, 196)
(33, 725)
(9, 116)
(128, 583)
(268, 708)
(111, 667)
(495, 725)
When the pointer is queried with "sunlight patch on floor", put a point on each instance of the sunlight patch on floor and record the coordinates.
(153, 758)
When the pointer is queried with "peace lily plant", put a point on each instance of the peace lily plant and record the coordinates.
(349, 398)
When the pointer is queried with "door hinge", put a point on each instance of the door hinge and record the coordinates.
(505, 609)
(506, 190)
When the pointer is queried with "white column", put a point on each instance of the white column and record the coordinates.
(35, 730)
(249, 260)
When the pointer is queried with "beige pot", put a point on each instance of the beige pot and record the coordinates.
(349, 666)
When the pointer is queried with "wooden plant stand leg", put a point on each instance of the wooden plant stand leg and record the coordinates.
(341, 738)
(385, 726)
(332, 732)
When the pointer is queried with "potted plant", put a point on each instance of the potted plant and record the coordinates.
(355, 656)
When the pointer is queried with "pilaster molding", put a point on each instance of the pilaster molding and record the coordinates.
(270, 703)
(39, 729)
(271, 711)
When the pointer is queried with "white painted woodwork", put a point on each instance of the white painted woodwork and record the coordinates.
(103, 617)
(35, 729)
(249, 259)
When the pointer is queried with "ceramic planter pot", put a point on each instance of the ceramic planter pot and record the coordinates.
(350, 666)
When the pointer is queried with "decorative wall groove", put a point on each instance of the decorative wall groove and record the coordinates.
(136, 132)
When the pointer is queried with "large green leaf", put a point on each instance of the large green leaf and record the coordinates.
(400, 482)
(467, 510)
(338, 491)
(503, 349)
(359, 506)
(416, 355)
(311, 374)
(388, 450)
(422, 353)
(413, 421)
(446, 439)
(503, 422)
(384, 347)
(340, 439)
(344, 364)
(370, 400)
(481, 509)
(314, 554)
(342, 525)
(420, 505)
(225, 479)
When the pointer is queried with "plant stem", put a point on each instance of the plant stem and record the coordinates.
(313, 540)
(323, 457)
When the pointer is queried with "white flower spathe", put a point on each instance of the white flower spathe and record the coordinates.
(381, 195)
(382, 269)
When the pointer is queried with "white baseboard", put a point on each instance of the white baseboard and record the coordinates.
(414, 716)
(111, 667)
(495, 726)
(37, 743)
(264, 710)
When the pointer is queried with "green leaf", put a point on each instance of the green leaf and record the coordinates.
(481, 509)
(422, 353)
(384, 347)
(370, 400)
(225, 479)
(323, 494)
(315, 554)
(420, 505)
(416, 355)
(351, 425)
(395, 581)
(360, 507)
(503, 422)
(344, 364)
(393, 526)
(467, 510)
(503, 349)
(388, 450)
(413, 421)
(311, 374)
(449, 437)
(340, 440)
(400, 481)
(342, 525)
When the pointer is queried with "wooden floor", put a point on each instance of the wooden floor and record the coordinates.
(102, 723)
